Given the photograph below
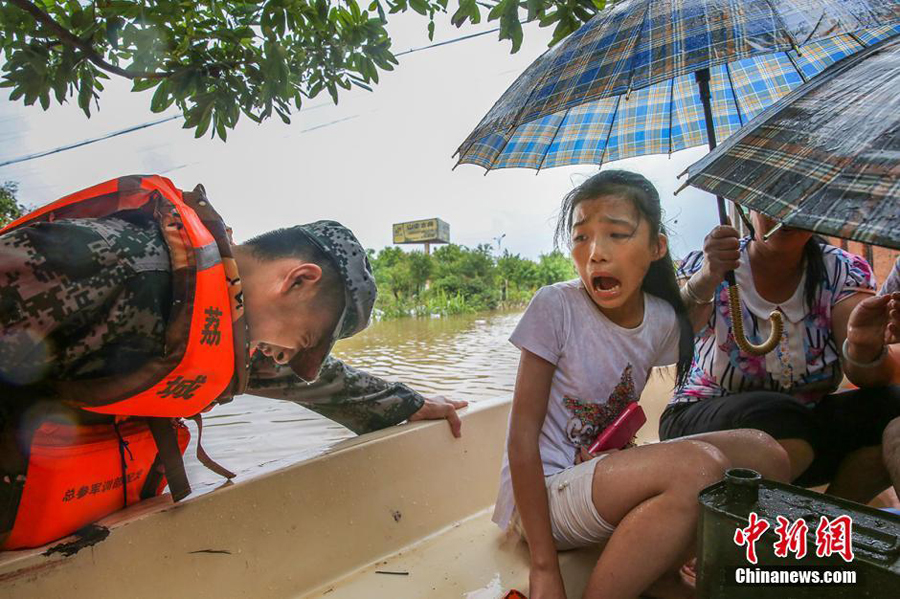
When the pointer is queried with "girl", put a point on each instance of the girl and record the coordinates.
(587, 347)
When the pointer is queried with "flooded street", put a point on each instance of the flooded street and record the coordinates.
(463, 357)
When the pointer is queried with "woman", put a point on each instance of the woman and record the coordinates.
(833, 325)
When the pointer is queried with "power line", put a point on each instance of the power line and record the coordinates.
(447, 42)
(89, 141)
(134, 128)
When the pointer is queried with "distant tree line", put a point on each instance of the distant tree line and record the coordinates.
(456, 279)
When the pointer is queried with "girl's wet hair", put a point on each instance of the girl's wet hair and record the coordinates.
(660, 278)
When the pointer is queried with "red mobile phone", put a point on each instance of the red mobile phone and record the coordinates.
(622, 430)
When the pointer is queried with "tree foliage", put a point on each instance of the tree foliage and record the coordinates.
(10, 209)
(216, 60)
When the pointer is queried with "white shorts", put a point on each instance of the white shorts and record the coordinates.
(574, 520)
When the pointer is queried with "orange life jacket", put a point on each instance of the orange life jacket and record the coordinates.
(176, 385)
(78, 474)
(199, 368)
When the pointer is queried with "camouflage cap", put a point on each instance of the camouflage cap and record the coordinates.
(339, 243)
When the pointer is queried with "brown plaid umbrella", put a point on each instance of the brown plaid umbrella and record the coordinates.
(826, 157)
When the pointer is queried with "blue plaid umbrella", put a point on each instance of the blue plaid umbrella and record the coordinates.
(626, 83)
(656, 76)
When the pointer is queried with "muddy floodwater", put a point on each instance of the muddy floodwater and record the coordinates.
(463, 357)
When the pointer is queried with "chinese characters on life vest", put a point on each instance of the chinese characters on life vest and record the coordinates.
(73, 494)
(832, 537)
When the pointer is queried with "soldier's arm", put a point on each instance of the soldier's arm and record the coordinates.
(350, 397)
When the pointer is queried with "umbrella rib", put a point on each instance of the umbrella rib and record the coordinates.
(671, 110)
(552, 139)
(787, 32)
(634, 47)
(734, 94)
(796, 66)
(609, 131)
(543, 77)
(857, 40)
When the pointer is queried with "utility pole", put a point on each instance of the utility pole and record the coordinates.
(499, 240)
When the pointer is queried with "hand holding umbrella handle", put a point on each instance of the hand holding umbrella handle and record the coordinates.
(737, 326)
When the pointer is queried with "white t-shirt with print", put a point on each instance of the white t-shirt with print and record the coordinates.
(600, 368)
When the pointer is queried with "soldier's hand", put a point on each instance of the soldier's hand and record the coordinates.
(439, 407)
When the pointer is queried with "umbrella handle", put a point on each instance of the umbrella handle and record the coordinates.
(737, 325)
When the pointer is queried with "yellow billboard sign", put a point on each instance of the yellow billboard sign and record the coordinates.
(430, 230)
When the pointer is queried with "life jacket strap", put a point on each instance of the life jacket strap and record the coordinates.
(170, 454)
(123, 447)
(204, 457)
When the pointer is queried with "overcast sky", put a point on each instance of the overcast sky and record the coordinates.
(375, 159)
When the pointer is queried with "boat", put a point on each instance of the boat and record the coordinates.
(402, 512)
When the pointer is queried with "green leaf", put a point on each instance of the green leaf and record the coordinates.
(60, 87)
(420, 6)
(112, 31)
(80, 19)
(582, 13)
(145, 84)
(498, 10)
(161, 98)
(221, 129)
(205, 118)
(85, 93)
(431, 31)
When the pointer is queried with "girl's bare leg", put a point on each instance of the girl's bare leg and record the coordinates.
(748, 448)
(650, 494)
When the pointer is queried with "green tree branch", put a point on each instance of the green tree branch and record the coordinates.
(219, 60)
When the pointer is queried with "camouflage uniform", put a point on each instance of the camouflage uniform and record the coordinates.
(89, 298)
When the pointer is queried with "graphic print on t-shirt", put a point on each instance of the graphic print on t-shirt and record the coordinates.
(589, 418)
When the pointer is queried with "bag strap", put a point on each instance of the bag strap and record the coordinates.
(170, 454)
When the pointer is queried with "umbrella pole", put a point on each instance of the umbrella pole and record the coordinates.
(734, 300)
(702, 77)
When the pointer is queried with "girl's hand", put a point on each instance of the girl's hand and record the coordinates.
(874, 322)
(584, 455)
(546, 583)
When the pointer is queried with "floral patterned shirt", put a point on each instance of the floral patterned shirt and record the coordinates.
(806, 362)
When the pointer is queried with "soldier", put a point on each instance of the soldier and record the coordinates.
(119, 302)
